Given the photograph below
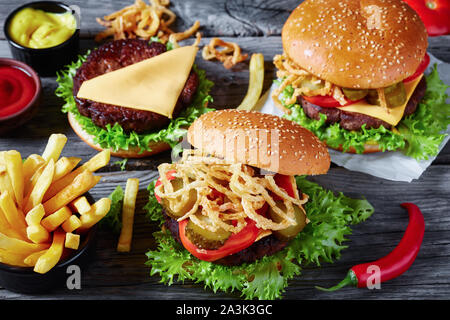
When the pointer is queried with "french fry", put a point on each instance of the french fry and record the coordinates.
(64, 166)
(55, 144)
(38, 234)
(41, 186)
(128, 209)
(30, 165)
(80, 185)
(35, 231)
(6, 228)
(98, 161)
(12, 258)
(54, 220)
(14, 167)
(81, 205)
(256, 82)
(72, 241)
(51, 257)
(35, 215)
(31, 259)
(71, 224)
(5, 184)
(17, 245)
(33, 180)
(98, 211)
(15, 218)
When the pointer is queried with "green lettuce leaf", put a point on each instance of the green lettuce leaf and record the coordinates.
(114, 136)
(331, 216)
(113, 219)
(419, 135)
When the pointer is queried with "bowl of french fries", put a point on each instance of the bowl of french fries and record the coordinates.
(47, 216)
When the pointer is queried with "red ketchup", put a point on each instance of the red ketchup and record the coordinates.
(17, 89)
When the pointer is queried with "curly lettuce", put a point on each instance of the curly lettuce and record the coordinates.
(418, 135)
(115, 137)
(322, 240)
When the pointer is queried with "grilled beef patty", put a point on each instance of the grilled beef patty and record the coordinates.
(354, 121)
(264, 247)
(115, 55)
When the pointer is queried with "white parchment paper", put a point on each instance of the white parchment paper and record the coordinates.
(392, 165)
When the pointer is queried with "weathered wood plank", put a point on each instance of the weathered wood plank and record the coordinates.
(217, 17)
(122, 275)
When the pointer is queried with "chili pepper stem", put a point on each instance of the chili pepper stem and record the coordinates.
(350, 279)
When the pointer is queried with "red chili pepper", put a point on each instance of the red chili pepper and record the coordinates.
(396, 262)
(435, 14)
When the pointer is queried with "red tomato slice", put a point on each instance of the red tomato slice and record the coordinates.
(421, 69)
(235, 243)
(158, 182)
(327, 101)
(286, 183)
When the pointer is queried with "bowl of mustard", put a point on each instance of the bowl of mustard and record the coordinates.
(44, 35)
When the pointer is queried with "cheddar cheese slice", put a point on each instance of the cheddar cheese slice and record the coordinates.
(391, 116)
(153, 84)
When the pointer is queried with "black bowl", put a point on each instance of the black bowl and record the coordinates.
(24, 280)
(46, 61)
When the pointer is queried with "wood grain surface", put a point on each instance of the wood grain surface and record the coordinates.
(256, 27)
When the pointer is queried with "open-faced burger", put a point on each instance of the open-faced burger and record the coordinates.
(133, 96)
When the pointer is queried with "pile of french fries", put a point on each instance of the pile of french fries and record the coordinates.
(43, 208)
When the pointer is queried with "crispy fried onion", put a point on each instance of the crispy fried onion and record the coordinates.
(230, 55)
(142, 20)
(244, 194)
(302, 82)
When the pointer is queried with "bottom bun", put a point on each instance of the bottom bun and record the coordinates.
(134, 152)
(368, 148)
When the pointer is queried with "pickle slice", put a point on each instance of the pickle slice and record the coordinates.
(203, 238)
(177, 184)
(290, 232)
(395, 95)
(355, 94)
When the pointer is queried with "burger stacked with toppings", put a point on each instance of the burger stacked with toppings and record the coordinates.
(130, 131)
(233, 199)
(352, 71)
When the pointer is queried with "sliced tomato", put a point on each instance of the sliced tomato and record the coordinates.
(421, 69)
(169, 176)
(235, 243)
(286, 183)
(327, 101)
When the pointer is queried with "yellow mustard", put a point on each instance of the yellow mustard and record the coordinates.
(37, 29)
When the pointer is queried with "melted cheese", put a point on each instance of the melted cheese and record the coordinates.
(152, 85)
(392, 115)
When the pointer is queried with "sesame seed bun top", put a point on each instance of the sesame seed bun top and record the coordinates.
(261, 140)
(356, 43)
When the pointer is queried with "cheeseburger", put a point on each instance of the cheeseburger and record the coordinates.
(133, 96)
(352, 71)
(233, 199)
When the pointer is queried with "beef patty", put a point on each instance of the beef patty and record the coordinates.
(264, 247)
(353, 120)
(115, 55)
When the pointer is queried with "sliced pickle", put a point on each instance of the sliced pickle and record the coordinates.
(312, 84)
(355, 94)
(203, 238)
(177, 184)
(292, 231)
(395, 95)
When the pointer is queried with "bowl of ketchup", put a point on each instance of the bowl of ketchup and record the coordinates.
(20, 89)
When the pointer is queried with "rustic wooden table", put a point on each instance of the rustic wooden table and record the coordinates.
(256, 27)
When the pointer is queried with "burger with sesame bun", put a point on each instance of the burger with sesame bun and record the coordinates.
(352, 72)
(234, 200)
